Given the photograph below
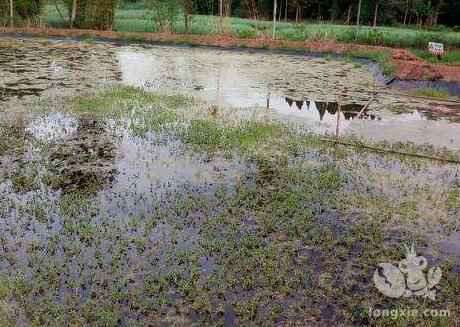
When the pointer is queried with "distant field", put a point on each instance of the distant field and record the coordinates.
(139, 20)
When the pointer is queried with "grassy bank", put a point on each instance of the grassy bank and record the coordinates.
(291, 236)
(138, 20)
(450, 57)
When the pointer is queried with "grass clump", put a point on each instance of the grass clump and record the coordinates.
(450, 56)
(212, 136)
(245, 32)
(109, 100)
(383, 58)
(430, 93)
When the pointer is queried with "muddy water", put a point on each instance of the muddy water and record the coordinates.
(294, 87)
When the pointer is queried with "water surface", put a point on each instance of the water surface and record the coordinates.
(299, 88)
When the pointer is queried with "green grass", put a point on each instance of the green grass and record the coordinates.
(431, 93)
(450, 56)
(383, 58)
(136, 19)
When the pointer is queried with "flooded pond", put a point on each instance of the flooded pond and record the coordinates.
(295, 87)
(179, 186)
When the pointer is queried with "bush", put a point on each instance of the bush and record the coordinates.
(163, 14)
(94, 14)
(244, 32)
(28, 8)
(24, 9)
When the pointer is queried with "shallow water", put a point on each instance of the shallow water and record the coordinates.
(137, 221)
(294, 87)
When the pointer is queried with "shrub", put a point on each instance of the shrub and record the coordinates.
(94, 14)
(244, 32)
(23, 9)
(163, 14)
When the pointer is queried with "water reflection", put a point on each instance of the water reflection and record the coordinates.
(31, 67)
(83, 159)
(348, 111)
(300, 88)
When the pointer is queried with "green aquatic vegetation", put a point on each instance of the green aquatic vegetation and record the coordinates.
(297, 231)
(400, 110)
(453, 198)
(431, 93)
(24, 181)
(119, 100)
(211, 136)
(12, 137)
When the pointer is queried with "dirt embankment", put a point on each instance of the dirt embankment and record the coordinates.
(408, 66)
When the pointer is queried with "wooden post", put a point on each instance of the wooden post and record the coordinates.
(275, 7)
(286, 11)
(339, 110)
(11, 14)
(221, 14)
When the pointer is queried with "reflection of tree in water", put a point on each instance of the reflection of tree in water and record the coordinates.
(350, 111)
(85, 161)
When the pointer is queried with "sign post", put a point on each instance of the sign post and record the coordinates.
(436, 49)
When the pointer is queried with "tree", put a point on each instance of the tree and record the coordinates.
(359, 13)
(74, 13)
(11, 14)
(187, 6)
(164, 13)
(275, 5)
(376, 11)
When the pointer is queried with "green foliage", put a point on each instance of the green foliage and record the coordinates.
(163, 14)
(450, 56)
(23, 10)
(28, 8)
(245, 32)
(93, 14)
(382, 57)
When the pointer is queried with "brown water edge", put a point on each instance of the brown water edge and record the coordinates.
(408, 66)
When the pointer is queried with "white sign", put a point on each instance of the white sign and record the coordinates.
(408, 278)
(436, 48)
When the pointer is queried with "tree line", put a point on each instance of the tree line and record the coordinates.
(99, 14)
(423, 13)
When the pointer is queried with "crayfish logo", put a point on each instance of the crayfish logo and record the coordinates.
(408, 278)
